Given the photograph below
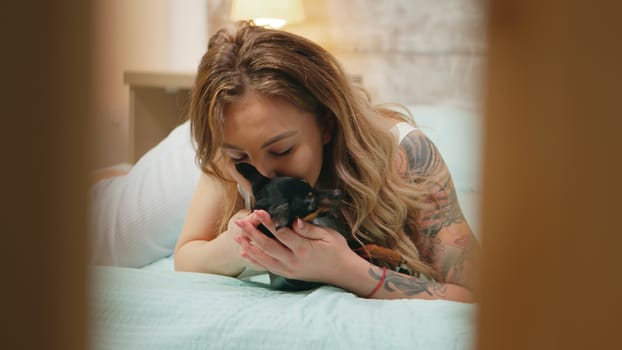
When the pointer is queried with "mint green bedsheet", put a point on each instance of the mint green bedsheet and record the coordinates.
(157, 308)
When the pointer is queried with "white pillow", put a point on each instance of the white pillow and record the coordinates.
(136, 219)
(458, 135)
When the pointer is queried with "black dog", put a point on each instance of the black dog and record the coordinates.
(286, 199)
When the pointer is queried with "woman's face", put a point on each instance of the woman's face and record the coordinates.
(274, 136)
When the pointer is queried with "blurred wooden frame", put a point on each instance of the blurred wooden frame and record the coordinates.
(552, 177)
(46, 58)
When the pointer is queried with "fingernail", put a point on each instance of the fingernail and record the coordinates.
(263, 216)
(300, 224)
(239, 223)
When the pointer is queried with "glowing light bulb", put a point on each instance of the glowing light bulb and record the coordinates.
(275, 23)
(271, 13)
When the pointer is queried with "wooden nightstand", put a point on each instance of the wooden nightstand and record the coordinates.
(158, 103)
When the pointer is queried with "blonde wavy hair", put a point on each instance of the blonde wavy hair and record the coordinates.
(379, 205)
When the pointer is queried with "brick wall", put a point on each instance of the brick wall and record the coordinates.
(406, 51)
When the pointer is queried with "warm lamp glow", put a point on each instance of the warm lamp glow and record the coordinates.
(275, 23)
(271, 13)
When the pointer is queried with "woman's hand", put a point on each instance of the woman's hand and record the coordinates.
(232, 227)
(234, 231)
(319, 254)
(306, 252)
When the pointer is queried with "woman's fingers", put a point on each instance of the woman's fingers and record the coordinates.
(285, 236)
(265, 219)
(309, 231)
(300, 252)
(251, 218)
(267, 245)
(252, 261)
(259, 258)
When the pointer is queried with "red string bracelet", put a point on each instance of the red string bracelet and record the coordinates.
(380, 283)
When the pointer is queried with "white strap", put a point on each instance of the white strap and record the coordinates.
(245, 196)
(401, 129)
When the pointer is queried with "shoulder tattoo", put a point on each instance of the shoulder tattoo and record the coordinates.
(423, 157)
(425, 162)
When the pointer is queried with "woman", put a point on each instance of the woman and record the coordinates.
(283, 104)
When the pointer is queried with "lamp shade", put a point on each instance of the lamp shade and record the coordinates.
(273, 13)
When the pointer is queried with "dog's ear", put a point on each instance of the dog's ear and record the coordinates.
(249, 172)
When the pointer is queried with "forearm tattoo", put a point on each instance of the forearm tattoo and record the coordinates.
(408, 285)
(455, 257)
(425, 162)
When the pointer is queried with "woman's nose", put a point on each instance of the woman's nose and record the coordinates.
(266, 170)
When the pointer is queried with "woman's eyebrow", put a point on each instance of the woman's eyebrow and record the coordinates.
(279, 137)
(227, 145)
(270, 141)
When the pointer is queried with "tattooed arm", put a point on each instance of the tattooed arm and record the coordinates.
(363, 278)
(445, 238)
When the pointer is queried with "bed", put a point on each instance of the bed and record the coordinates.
(140, 302)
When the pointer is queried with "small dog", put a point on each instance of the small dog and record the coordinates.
(286, 199)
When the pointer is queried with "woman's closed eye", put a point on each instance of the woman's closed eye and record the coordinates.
(282, 153)
(237, 157)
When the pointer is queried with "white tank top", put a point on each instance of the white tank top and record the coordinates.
(401, 129)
